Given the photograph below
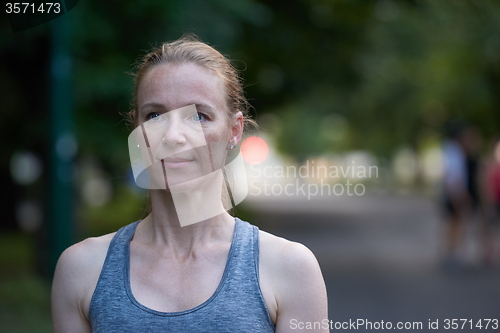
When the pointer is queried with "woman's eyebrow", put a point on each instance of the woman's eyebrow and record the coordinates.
(153, 105)
(198, 105)
(203, 106)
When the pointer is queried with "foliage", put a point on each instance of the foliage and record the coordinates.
(398, 67)
(24, 296)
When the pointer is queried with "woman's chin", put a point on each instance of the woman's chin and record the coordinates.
(183, 187)
(186, 186)
(210, 185)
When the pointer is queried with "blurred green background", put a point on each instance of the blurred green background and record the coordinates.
(323, 76)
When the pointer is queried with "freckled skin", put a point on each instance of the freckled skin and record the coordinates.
(163, 91)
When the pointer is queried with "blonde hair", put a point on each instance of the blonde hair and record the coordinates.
(189, 49)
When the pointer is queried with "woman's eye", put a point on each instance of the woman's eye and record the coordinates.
(199, 117)
(153, 115)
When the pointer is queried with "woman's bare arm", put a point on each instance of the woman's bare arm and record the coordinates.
(75, 278)
(67, 293)
(297, 284)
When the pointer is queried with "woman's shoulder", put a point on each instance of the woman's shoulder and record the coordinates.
(281, 253)
(77, 272)
(83, 261)
(88, 250)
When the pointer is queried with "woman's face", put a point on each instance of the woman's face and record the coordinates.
(182, 114)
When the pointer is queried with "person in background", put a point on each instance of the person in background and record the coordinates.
(461, 189)
(492, 202)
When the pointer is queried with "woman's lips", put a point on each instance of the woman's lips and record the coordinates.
(175, 163)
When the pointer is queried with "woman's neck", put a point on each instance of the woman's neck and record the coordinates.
(163, 228)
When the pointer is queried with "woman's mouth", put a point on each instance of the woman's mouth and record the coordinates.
(176, 163)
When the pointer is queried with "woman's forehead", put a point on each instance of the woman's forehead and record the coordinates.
(175, 83)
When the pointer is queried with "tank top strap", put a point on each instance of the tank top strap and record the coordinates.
(118, 248)
(242, 287)
(114, 268)
(244, 258)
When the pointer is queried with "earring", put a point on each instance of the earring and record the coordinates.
(231, 146)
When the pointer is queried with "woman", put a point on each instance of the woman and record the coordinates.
(175, 270)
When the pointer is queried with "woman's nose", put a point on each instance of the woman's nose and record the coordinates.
(174, 133)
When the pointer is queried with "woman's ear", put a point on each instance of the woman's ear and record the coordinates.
(236, 128)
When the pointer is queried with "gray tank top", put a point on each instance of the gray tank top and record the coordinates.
(237, 305)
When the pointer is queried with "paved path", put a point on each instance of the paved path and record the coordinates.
(380, 258)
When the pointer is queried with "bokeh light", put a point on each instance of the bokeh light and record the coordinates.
(25, 167)
(254, 150)
(497, 152)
